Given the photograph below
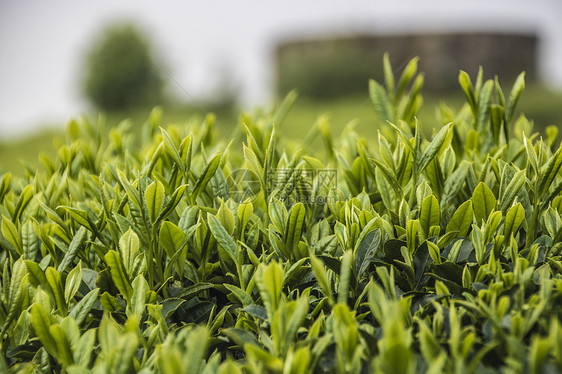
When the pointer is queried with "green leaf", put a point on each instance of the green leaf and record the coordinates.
(131, 191)
(10, 233)
(73, 248)
(548, 172)
(154, 197)
(283, 109)
(173, 201)
(345, 276)
(36, 276)
(226, 218)
(23, 201)
(240, 337)
(82, 308)
(429, 345)
(461, 220)
(297, 318)
(193, 290)
(513, 220)
(322, 277)
(295, 225)
(205, 177)
(497, 120)
(483, 201)
(514, 96)
(5, 182)
(434, 147)
(72, 283)
(270, 283)
(245, 212)
(405, 138)
(254, 165)
(429, 214)
(484, 104)
(223, 238)
(171, 148)
(64, 352)
(380, 101)
(86, 346)
(229, 366)
(29, 240)
(388, 76)
(407, 76)
(195, 355)
(54, 281)
(53, 216)
(128, 248)
(123, 353)
(390, 177)
(171, 238)
(512, 190)
(16, 292)
(138, 298)
(466, 85)
(118, 274)
(41, 322)
(240, 294)
(79, 215)
(532, 158)
(366, 248)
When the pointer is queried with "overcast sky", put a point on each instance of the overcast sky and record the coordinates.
(42, 42)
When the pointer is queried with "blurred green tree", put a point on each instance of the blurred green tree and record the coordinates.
(120, 72)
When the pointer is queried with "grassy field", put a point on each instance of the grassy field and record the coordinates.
(539, 104)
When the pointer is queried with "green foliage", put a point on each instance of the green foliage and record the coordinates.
(120, 72)
(437, 254)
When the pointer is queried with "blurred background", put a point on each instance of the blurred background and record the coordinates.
(63, 58)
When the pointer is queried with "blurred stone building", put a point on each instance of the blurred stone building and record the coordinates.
(332, 67)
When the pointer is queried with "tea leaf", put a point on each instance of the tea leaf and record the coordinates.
(294, 226)
(73, 281)
(513, 219)
(321, 277)
(138, 297)
(118, 274)
(429, 213)
(128, 248)
(64, 353)
(433, 147)
(512, 190)
(173, 201)
(223, 238)
(73, 249)
(55, 283)
(461, 220)
(548, 172)
(484, 105)
(514, 96)
(41, 322)
(205, 177)
(80, 311)
(154, 197)
(171, 238)
(270, 282)
(380, 101)
(10, 233)
(466, 86)
(483, 201)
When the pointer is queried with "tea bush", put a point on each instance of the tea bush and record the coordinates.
(191, 254)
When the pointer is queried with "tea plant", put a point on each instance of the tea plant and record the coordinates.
(136, 253)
